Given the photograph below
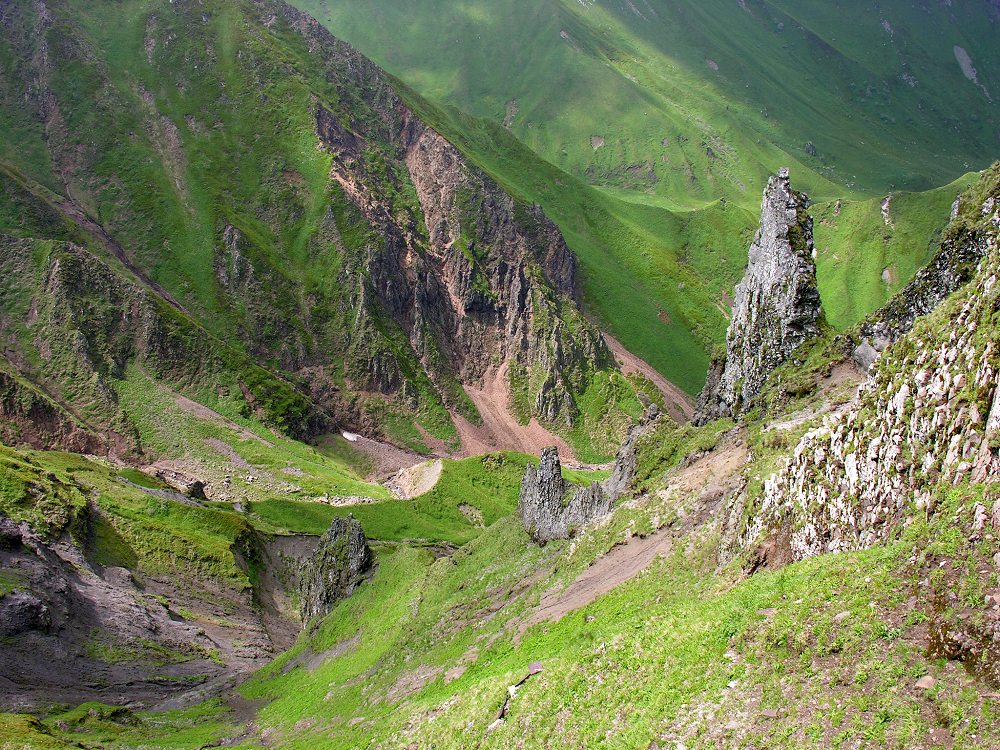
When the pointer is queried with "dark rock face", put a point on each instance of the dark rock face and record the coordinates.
(550, 508)
(777, 304)
(342, 560)
(22, 611)
(61, 605)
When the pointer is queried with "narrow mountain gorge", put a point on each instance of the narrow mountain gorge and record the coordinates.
(334, 417)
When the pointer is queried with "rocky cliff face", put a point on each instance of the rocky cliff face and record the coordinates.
(378, 272)
(777, 304)
(340, 563)
(74, 325)
(474, 278)
(551, 508)
(63, 616)
(929, 417)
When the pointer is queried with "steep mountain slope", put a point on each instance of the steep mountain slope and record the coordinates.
(239, 228)
(293, 206)
(690, 101)
(868, 250)
(225, 236)
(693, 614)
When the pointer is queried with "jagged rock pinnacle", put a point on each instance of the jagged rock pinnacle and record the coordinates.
(541, 505)
(777, 303)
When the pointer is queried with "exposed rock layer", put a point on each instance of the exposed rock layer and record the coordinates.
(929, 415)
(404, 274)
(777, 304)
(76, 631)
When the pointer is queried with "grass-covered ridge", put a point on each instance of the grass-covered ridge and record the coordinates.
(867, 251)
(690, 101)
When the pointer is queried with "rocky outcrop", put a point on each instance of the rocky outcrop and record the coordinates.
(86, 325)
(63, 616)
(953, 265)
(473, 278)
(341, 561)
(777, 304)
(552, 508)
(22, 611)
(626, 460)
(27, 416)
(929, 416)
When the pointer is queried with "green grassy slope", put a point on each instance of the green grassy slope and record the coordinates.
(695, 100)
(866, 254)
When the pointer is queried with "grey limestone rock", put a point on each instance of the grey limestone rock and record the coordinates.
(777, 304)
(551, 508)
(624, 468)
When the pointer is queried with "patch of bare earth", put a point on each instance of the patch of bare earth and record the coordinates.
(623, 563)
(386, 459)
(679, 405)
(500, 430)
(415, 481)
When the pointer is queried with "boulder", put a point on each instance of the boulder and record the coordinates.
(342, 560)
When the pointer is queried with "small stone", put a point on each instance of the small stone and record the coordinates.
(841, 616)
(770, 713)
(925, 683)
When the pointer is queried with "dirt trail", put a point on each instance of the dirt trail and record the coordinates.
(621, 564)
(696, 486)
(500, 430)
(679, 405)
